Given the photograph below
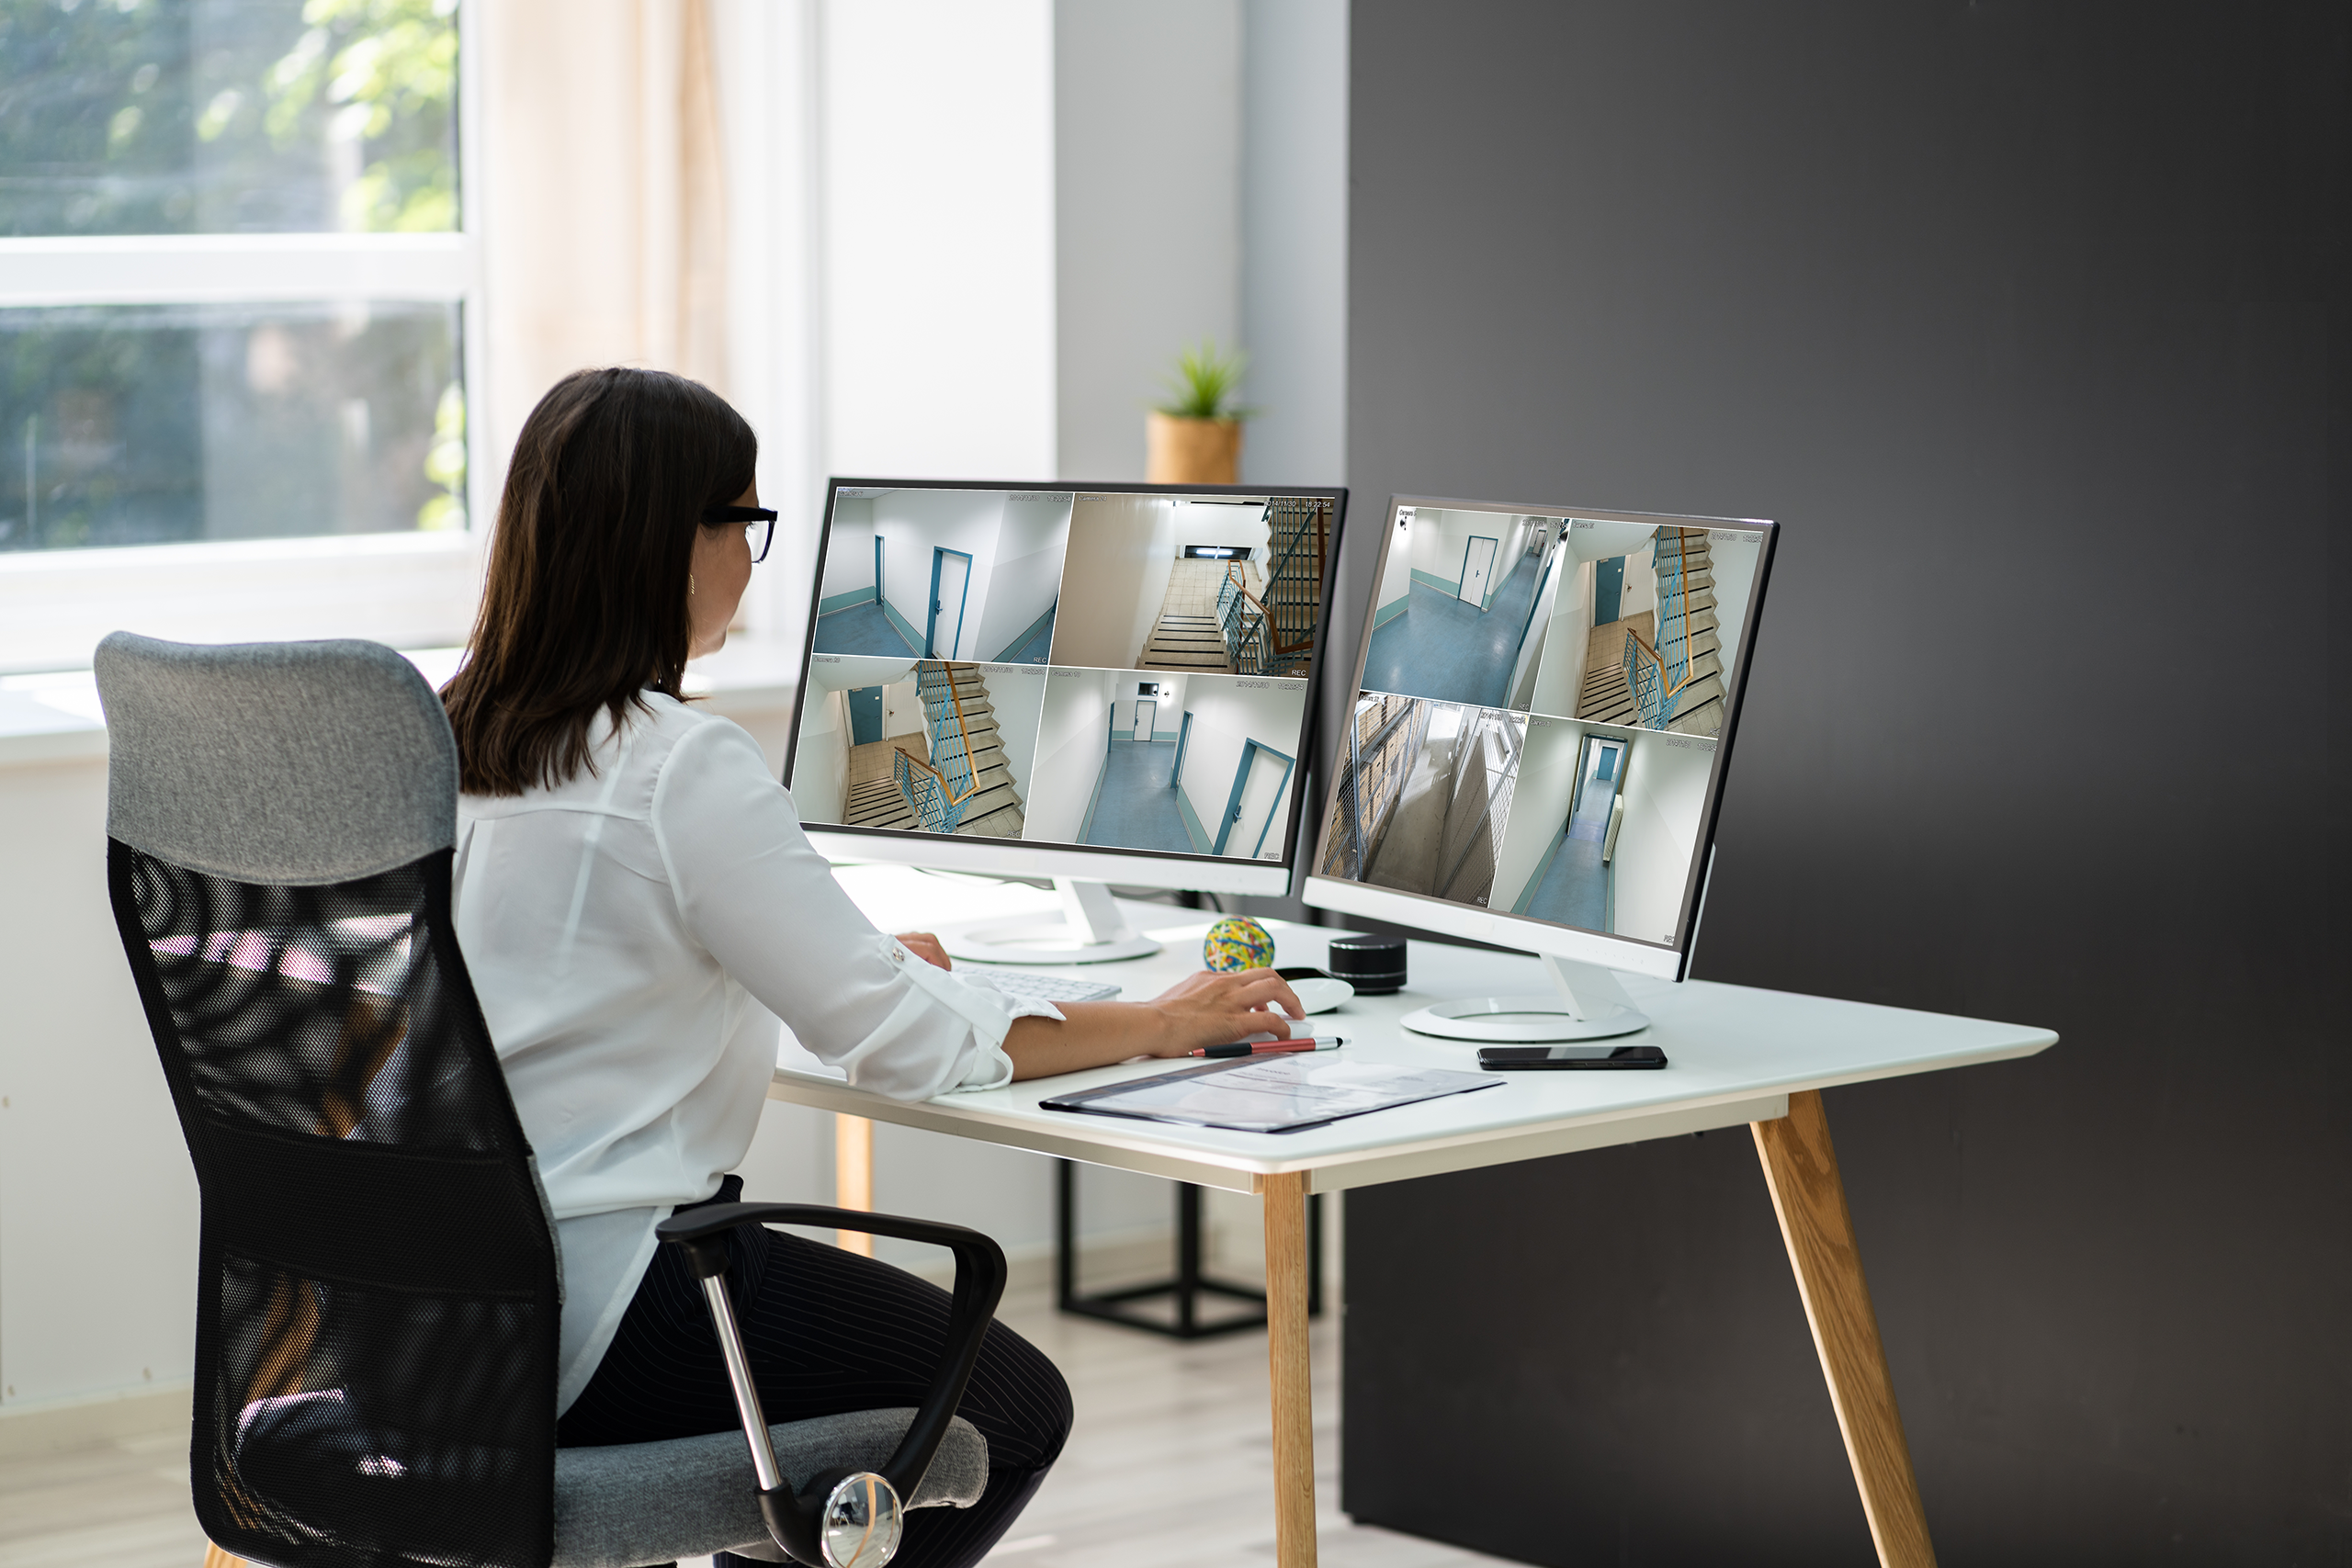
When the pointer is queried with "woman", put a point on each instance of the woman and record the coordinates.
(638, 906)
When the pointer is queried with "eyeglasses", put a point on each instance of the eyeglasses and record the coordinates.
(759, 527)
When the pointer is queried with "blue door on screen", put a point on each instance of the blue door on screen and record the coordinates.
(1249, 812)
(864, 716)
(951, 581)
(1607, 587)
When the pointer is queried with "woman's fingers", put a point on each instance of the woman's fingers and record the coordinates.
(1217, 1008)
(1260, 987)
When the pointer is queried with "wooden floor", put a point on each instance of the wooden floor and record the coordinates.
(1168, 1464)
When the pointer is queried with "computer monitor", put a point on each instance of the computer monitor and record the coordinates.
(1545, 698)
(1091, 683)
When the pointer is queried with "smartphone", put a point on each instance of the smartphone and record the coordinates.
(1553, 1058)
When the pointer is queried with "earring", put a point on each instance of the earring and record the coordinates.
(690, 582)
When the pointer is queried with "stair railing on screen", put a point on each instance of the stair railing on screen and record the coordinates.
(937, 795)
(1249, 641)
(1656, 686)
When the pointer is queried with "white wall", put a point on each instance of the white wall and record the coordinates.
(1559, 679)
(1017, 693)
(1441, 541)
(1121, 550)
(1218, 523)
(1640, 592)
(1072, 737)
(1567, 636)
(767, 58)
(1294, 239)
(1169, 715)
(849, 553)
(87, 1126)
(902, 713)
(1228, 710)
(1027, 575)
(1539, 805)
(821, 764)
(937, 159)
(1555, 566)
(1734, 573)
(912, 524)
(1665, 789)
(1148, 214)
(1397, 572)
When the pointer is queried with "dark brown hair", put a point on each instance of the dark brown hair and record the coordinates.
(585, 606)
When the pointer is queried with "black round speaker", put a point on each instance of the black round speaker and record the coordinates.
(1375, 965)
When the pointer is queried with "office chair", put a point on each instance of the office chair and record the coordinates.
(377, 1280)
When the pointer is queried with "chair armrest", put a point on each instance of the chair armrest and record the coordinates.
(981, 1276)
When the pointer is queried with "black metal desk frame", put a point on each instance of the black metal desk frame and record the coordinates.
(1191, 1283)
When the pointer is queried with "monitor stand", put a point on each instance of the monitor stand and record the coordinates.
(1091, 931)
(1590, 1005)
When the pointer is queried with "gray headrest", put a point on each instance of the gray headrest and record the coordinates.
(293, 762)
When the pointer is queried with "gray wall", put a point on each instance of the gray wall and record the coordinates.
(2028, 321)
(1294, 239)
(1147, 122)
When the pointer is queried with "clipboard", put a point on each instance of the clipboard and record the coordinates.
(1270, 1094)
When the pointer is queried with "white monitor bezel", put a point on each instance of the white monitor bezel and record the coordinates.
(1665, 961)
(1001, 857)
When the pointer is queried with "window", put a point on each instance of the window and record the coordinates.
(237, 310)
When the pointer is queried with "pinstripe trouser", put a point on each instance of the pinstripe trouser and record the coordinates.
(827, 1331)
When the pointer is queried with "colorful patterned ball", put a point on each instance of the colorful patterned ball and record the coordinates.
(1238, 942)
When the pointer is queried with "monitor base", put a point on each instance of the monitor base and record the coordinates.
(1091, 931)
(1589, 1005)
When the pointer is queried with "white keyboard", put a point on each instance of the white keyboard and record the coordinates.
(1028, 986)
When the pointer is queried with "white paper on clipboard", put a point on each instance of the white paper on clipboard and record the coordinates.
(1273, 1094)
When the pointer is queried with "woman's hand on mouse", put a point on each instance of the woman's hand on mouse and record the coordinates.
(925, 946)
(1208, 1009)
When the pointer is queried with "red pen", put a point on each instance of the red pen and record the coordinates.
(1273, 1048)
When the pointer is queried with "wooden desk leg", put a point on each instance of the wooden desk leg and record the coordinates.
(1287, 1364)
(1801, 1169)
(853, 1177)
(215, 1558)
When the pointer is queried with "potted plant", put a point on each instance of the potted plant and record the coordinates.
(1195, 438)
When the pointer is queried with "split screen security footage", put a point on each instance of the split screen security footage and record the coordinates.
(1093, 684)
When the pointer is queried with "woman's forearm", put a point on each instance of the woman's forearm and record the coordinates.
(1200, 1010)
(1096, 1034)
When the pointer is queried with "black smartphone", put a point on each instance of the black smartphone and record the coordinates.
(1555, 1058)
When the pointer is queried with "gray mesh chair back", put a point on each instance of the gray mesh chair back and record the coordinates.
(379, 1288)
(376, 1328)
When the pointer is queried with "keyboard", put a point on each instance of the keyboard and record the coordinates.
(1028, 986)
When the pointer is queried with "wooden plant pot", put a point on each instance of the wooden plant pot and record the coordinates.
(1190, 451)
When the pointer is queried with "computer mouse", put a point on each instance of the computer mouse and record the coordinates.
(1316, 988)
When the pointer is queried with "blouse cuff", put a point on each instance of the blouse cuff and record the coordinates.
(988, 1010)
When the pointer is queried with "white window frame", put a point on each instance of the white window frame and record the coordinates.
(408, 589)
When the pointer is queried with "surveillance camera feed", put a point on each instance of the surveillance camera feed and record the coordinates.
(1100, 670)
(1541, 713)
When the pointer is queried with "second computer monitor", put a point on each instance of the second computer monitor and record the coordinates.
(1544, 703)
(1096, 682)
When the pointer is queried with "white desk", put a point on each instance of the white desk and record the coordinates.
(1735, 1056)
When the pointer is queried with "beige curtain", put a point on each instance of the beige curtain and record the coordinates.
(606, 232)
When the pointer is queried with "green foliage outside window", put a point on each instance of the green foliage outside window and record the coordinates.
(383, 71)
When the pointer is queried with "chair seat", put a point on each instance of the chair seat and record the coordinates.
(632, 1504)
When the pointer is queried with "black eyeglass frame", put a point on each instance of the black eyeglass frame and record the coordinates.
(720, 516)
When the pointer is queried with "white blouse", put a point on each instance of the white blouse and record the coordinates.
(633, 936)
